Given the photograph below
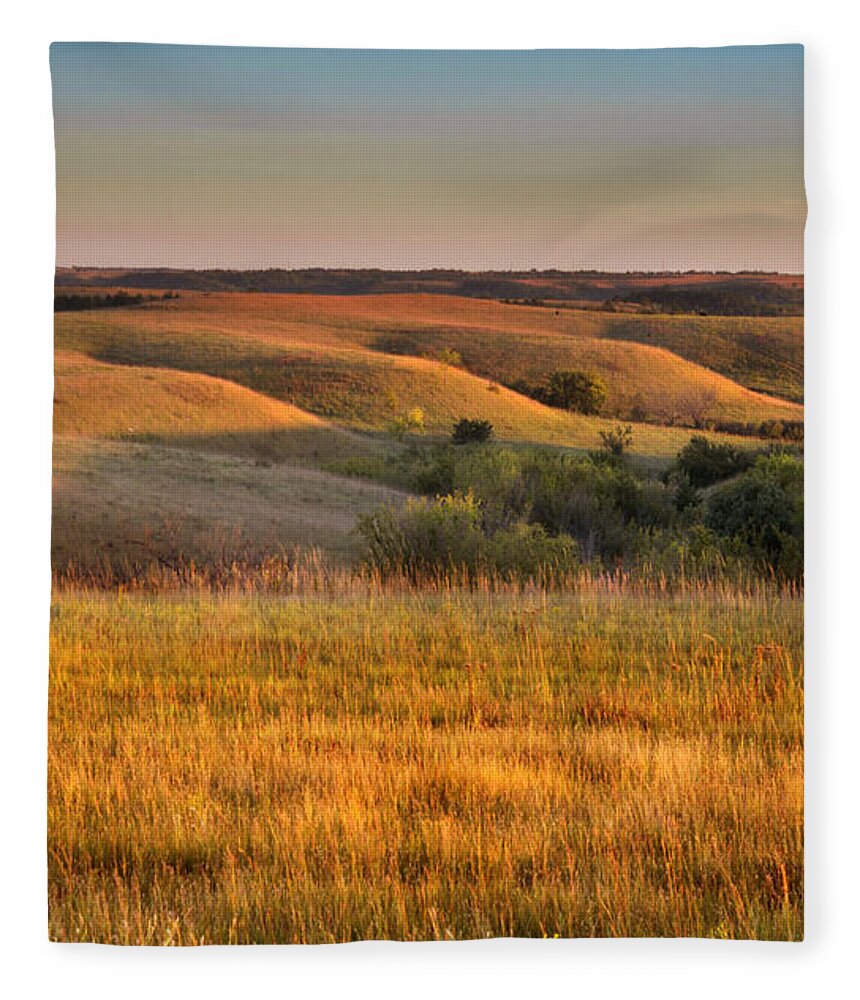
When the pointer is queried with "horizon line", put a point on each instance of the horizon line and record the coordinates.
(421, 270)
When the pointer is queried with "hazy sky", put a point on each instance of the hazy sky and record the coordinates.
(229, 157)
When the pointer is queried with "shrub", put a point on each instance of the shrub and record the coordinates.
(448, 356)
(413, 422)
(686, 497)
(617, 440)
(592, 501)
(471, 431)
(450, 533)
(763, 510)
(704, 463)
(425, 534)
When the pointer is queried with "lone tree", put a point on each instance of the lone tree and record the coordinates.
(575, 390)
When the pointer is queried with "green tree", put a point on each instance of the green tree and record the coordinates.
(581, 391)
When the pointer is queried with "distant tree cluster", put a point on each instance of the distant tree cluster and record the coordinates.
(730, 298)
(115, 300)
(776, 430)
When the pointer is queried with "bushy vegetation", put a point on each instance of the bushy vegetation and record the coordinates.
(762, 512)
(447, 356)
(468, 431)
(412, 422)
(454, 533)
(617, 440)
(601, 504)
(785, 430)
(703, 462)
(583, 392)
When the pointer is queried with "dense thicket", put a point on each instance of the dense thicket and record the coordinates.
(76, 302)
(544, 508)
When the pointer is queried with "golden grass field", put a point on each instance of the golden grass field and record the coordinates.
(311, 753)
(426, 765)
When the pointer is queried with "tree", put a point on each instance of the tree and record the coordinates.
(575, 390)
(695, 405)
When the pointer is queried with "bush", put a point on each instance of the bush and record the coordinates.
(449, 533)
(448, 356)
(704, 463)
(763, 511)
(413, 422)
(618, 440)
(518, 511)
(593, 501)
(471, 431)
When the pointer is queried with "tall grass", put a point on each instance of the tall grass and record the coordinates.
(368, 758)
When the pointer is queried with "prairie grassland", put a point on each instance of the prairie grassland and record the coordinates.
(346, 358)
(134, 403)
(381, 762)
(126, 502)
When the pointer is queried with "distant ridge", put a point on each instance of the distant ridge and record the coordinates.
(717, 293)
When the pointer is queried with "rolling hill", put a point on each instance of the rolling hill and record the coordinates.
(212, 422)
(343, 357)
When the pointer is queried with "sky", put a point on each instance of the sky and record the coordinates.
(187, 156)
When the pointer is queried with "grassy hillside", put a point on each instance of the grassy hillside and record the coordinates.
(153, 464)
(96, 399)
(122, 504)
(207, 421)
(760, 353)
(344, 358)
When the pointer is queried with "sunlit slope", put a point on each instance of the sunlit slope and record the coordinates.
(363, 389)
(364, 375)
(760, 353)
(96, 399)
(651, 363)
